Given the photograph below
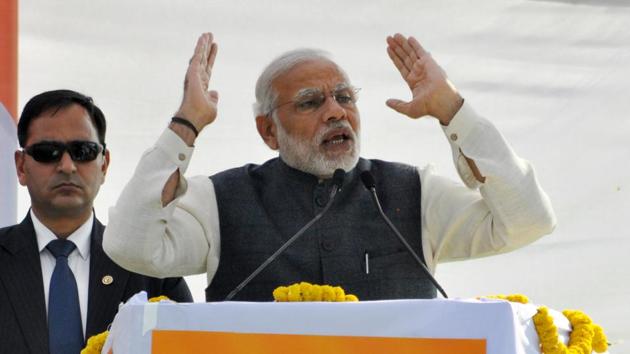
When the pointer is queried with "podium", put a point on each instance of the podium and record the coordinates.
(399, 326)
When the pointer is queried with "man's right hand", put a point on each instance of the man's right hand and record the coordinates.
(199, 106)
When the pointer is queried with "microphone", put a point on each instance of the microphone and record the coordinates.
(370, 185)
(337, 182)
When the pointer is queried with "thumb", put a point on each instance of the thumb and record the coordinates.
(214, 96)
(398, 106)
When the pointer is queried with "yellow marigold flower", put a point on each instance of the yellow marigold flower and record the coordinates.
(294, 293)
(583, 332)
(328, 293)
(520, 298)
(316, 293)
(280, 294)
(585, 347)
(600, 342)
(311, 292)
(95, 343)
(158, 298)
(340, 295)
(350, 297)
(549, 335)
(305, 289)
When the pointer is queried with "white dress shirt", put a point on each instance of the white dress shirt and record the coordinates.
(78, 260)
(507, 211)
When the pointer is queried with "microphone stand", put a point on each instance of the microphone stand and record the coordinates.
(370, 185)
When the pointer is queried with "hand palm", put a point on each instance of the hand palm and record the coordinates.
(432, 93)
(199, 105)
(422, 85)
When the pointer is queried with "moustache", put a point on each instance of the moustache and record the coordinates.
(338, 124)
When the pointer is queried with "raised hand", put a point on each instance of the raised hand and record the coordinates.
(199, 105)
(432, 93)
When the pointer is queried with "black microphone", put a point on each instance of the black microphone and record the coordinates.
(337, 182)
(370, 184)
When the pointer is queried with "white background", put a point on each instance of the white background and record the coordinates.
(554, 76)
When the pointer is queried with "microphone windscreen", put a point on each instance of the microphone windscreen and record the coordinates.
(338, 177)
(368, 180)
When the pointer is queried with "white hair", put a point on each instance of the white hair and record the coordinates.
(265, 94)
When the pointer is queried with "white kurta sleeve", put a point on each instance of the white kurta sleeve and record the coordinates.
(507, 211)
(181, 238)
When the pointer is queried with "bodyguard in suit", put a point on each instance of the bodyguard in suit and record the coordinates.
(57, 286)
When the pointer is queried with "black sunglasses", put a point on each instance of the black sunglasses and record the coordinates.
(52, 151)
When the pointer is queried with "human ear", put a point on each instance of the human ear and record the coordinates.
(19, 166)
(105, 164)
(267, 130)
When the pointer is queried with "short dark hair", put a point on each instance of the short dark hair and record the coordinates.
(56, 100)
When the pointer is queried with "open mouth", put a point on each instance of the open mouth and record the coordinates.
(337, 137)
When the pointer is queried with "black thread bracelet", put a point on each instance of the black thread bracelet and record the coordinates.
(187, 123)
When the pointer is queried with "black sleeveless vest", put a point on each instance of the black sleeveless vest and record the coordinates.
(262, 206)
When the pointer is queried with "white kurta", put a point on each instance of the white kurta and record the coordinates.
(507, 211)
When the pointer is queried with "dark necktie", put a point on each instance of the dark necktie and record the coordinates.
(65, 332)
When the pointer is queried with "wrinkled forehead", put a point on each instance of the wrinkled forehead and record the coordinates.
(307, 77)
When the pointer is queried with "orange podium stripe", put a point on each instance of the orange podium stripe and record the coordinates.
(9, 55)
(169, 342)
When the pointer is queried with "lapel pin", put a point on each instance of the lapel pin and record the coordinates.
(108, 279)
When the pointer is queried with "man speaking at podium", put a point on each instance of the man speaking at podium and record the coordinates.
(227, 225)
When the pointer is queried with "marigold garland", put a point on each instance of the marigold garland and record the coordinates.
(96, 342)
(585, 336)
(311, 292)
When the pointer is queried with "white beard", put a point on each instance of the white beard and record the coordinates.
(306, 157)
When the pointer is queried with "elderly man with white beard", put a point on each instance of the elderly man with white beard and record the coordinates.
(165, 224)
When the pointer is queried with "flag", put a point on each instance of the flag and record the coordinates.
(8, 110)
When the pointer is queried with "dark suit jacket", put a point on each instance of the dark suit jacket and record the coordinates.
(23, 319)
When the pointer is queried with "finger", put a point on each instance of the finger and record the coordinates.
(208, 49)
(405, 51)
(197, 53)
(214, 96)
(404, 58)
(399, 106)
(398, 63)
(211, 57)
(408, 57)
(394, 46)
(417, 47)
(411, 52)
(204, 50)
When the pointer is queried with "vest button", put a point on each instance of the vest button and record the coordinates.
(320, 201)
(328, 245)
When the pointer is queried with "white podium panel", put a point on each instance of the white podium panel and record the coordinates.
(488, 326)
